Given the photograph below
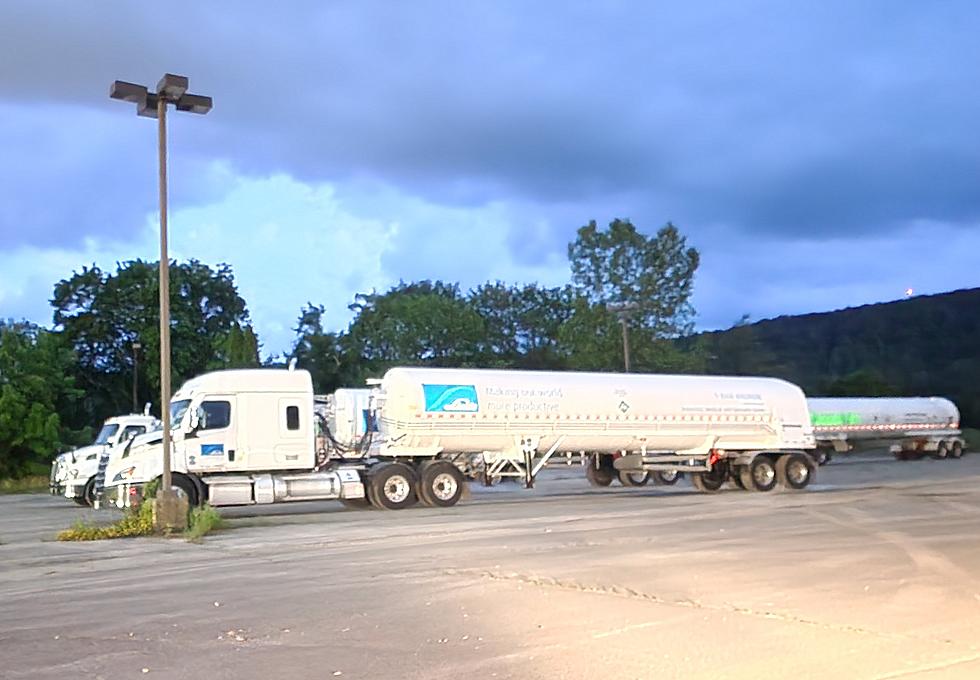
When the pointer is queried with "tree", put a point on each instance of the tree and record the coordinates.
(238, 349)
(35, 386)
(323, 353)
(592, 340)
(522, 323)
(102, 314)
(423, 323)
(621, 265)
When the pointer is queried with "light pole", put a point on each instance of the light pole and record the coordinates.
(136, 373)
(623, 311)
(173, 90)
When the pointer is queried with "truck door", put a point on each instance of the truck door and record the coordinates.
(213, 446)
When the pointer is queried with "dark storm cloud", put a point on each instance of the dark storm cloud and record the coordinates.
(770, 117)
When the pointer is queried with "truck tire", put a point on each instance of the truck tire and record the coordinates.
(956, 451)
(627, 478)
(666, 477)
(794, 471)
(599, 470)
(87, 499)
(759, 474)
(942, 450)
(185, 486)
(712, 480)
(393, 486)
(440, 484)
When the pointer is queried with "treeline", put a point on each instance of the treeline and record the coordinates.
(923, 346)
(56, 385)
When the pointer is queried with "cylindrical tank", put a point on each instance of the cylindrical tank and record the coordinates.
(474, 410)
(881, 417)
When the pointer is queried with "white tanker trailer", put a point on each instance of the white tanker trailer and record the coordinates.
(914, 426)
(751, 430)
(251, 436)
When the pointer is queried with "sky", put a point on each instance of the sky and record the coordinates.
(819, 155)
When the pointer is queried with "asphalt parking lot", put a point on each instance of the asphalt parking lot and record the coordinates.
(874, 572)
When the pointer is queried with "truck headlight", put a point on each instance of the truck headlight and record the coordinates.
(123, 474)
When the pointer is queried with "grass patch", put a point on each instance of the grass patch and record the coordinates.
(134, 523)
(202, 521)
(32, 484)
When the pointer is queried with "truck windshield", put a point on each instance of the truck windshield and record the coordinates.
(106, 433)
(177, 411)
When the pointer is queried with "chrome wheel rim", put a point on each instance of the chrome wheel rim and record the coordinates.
(763, 474)
(444, 486)
(797, 472)
(669, 475)
(397, 488)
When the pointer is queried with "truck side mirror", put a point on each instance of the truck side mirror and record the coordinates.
(195, 419)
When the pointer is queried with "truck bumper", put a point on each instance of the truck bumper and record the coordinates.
(123, 496)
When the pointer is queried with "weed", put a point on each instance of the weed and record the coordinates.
(134, 523)
(202, 521)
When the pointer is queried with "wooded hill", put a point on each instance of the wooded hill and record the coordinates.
(922, 346)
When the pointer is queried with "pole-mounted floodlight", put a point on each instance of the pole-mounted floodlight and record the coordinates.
(170, 90)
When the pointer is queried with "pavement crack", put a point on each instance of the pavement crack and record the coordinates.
(690, 603)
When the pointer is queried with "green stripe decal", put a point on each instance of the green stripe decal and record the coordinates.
(832, 419)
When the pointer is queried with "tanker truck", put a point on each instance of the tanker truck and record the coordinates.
(245, 437)
(913, 426)
(73, 473)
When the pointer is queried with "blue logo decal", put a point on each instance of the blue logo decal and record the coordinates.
(451, 398)
(212, 449)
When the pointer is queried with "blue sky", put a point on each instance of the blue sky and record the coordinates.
(819, 155)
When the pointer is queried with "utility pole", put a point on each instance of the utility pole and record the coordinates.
(623, 312)
(136, 375)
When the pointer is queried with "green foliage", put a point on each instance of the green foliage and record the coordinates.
(623, 266)
(860, 383)
(323, 354)
(924, 346)
(202, 521)
(416, 324)
(134, 523)
(33, 484)
(102, 314)
(35, 386)
(522, 324)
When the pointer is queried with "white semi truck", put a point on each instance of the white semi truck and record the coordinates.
(251, 436)
(73, 473)
(912, 426)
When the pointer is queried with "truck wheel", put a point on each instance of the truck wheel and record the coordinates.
(87, 498)
(712, 480)
(440, 484)
(666, 477)
(941, 451)
(794, 471)
(393, 486)
(633, 478)
(598, 471)
(957, 450)
(185, 486)
(759, 474)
